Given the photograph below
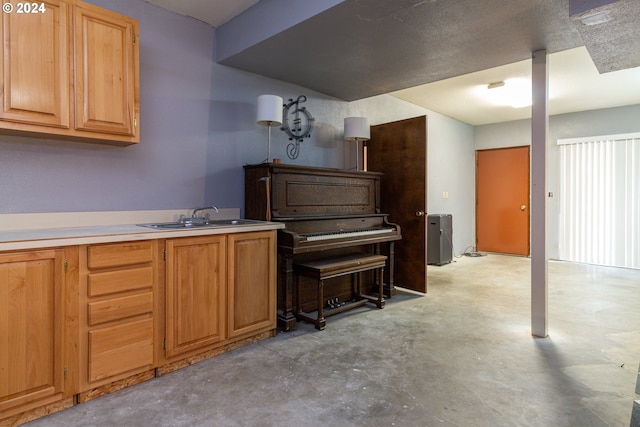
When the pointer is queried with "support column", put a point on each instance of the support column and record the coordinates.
(539, 134)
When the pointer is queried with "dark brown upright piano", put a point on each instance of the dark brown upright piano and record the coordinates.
(326, 212)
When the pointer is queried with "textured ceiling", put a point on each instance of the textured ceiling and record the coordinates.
(574, 85)
(214, 12)
(362, 48)
(613, 45)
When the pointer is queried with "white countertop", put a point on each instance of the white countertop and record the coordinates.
(36, 238)
(45, 238)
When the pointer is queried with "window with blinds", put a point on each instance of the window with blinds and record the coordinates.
(600, 200)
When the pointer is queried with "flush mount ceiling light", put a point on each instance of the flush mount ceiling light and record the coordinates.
(595, 18)
(513, 92)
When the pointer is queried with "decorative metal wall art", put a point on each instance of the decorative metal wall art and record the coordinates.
(297, 122)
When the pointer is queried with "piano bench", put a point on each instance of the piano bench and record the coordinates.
(328, 268)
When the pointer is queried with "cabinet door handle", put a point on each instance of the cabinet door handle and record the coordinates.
(420, 213)
(523, 207)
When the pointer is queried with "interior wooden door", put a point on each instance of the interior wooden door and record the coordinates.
(502, 200)
(399, 151)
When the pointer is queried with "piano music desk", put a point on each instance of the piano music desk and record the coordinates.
(322, 269)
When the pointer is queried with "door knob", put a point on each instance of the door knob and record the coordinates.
(420, 213)
(523, 207)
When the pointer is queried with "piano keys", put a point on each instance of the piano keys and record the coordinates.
(329, 232)
(314, 237)
(326, 212)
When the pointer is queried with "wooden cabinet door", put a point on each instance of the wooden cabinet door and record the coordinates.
(252, 283)
(196, 283)
(35, 66)
(106, 76)
(31, 329)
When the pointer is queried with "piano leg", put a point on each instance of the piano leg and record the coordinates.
(320, 322)
(390, 289)
(286, 318)
(380, 301)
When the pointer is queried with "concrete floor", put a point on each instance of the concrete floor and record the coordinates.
(460, 356)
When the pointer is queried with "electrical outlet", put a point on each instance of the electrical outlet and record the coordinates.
(445, 195)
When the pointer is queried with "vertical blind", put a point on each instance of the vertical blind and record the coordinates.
(600, 200)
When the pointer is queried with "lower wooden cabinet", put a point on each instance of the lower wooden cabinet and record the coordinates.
(218, 289)
(33, 356)
(118, 311)
(195, 293)
(82, 321)
(252, 283)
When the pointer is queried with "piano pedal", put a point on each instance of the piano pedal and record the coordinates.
(334, 303)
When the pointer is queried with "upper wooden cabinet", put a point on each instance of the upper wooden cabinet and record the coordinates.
(35, 67)
(106, 77)
(70, 72)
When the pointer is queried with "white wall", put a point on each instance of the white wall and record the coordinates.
(198, 129)
(236, 140)
(450, 162)
(165, 171)
(452, 170)
(587, 123)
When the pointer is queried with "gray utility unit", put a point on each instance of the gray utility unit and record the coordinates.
(439, 243)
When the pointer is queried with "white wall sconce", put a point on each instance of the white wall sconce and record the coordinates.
(357, 129)
(269, 113)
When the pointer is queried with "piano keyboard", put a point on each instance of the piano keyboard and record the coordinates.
(343, 234)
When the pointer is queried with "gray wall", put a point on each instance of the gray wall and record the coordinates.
(587, 123)
(165, 171)
(197, 131)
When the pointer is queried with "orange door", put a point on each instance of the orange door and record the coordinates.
(502, 200)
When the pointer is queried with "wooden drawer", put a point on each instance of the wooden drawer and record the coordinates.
(119, 349)
(120, 308)
(119, 281)
(119, 254)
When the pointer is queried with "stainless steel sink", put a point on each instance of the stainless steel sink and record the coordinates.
(189, 224)
(235, 221)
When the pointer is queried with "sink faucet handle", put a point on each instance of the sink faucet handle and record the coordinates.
(195, 211)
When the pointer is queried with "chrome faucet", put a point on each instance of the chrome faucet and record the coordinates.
(195, 211)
